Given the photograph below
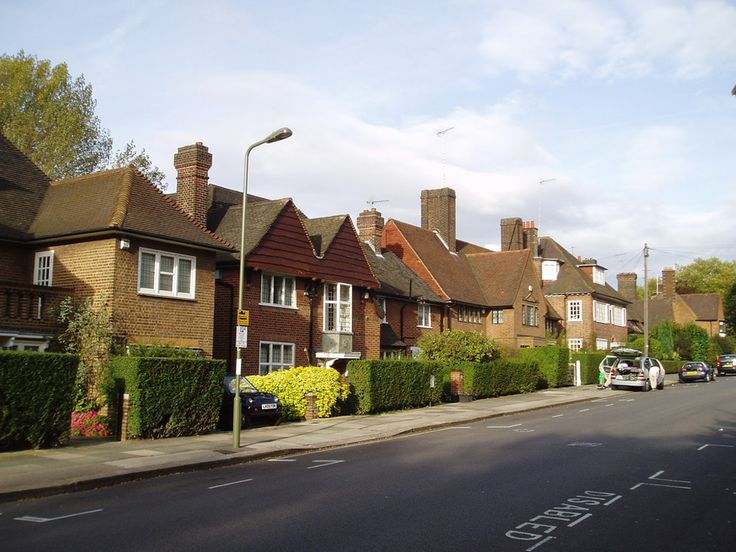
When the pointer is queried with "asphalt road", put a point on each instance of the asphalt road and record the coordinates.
(644, 471)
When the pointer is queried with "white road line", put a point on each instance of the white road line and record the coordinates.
(459, 427)
(282, 460)
(626, 400)
(540, 543)
(584, 410)
(228, 484)
(609, 404)
(35, 519)
(660, 472)
(558, 416)
(611, 501)
(323, 463)
(503, 427)
(711, 445)
(586, 516)
(658, 485)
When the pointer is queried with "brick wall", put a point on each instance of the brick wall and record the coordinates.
(16, 265)
(438, 213)
(192, 164)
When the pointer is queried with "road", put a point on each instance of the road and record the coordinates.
(642, 471)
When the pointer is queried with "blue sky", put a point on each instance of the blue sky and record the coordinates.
(626, 105)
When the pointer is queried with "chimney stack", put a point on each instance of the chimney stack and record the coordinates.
(512, 234)
(668, 283)
(438, 214)
(531, 237)
(370, 228)
(627, 285)
(192, 164)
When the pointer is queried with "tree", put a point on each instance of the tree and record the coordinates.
(706, 276)
(729, 310)
(50, 117)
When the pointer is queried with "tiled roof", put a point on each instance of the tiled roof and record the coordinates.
(450, 271)
(500, 274)
(22, 188)
(261, 215)
(570, 278)
(706, 306)
(395, 278)
(322, 231)
(117, 200)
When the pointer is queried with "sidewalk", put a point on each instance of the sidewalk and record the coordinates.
(90, 463)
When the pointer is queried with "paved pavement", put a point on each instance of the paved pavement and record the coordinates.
(91, 463)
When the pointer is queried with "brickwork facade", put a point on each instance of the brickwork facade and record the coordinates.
(438, 213)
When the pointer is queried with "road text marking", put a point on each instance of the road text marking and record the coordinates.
(35, 519)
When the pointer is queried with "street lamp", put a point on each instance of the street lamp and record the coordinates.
(275, 136)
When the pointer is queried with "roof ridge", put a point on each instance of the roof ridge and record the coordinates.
(123, 202)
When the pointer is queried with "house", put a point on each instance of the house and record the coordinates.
(591, 312)
(112, 237)
(405, 305)
(306, 285)
(703, 309)
(495, 293)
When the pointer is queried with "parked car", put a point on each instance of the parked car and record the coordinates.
(633, 372)
(254, 404)
(726, 364)
(696, 371)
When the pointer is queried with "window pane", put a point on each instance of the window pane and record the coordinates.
(331, 292)
(345, 293)
(276, 354)
(264, 353)
(148, 267)
(266, 288)
(289, 355)
(344, 317)
(289, 284)
(330, 317)
(184, 276)
(166, 273)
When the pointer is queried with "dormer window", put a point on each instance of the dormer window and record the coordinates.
(550, 270)
(599, 275)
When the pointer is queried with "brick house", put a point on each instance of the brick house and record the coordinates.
(110, 236)
(592, 314)
(495, 293)
(703, 309)
(405, 305)
(307, 282)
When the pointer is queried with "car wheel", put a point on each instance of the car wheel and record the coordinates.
(660, 386)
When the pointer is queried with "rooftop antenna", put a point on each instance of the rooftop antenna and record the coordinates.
(539, 220)
(441, 136)
(372, 202)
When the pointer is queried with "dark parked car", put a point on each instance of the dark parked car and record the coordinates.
(255, 405)
(726, 364)
(696, 371)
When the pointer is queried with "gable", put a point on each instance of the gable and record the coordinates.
(344, 259)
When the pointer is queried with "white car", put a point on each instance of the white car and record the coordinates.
(633, 372)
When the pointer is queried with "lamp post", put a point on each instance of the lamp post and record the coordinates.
(275, 136)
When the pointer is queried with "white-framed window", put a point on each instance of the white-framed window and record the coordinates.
(424, 315)
(384, 308)
(599, 276)
(470, 314)
(393, 354)
(497, 316)
(43, 268)
(601, 312)
(275, 356)
(338, 308)
(575, 343)
(618, 316)
(529, 315)
(278, 291)
(575, 310)
(550, 270)
(601, 344)
(166, 274)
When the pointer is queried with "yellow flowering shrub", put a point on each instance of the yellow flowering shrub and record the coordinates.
(293, 384)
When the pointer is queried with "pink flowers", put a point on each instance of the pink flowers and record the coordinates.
(89, 424)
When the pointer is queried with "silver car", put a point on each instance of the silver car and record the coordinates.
(633, 372)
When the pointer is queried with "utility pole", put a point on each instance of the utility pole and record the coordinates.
(646, 301)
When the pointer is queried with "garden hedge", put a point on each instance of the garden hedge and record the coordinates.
(36, 399)
(499, 377)
(553, 363)
(170, 397)
(589, 363)
(383, 385)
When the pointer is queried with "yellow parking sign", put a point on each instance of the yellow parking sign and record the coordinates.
(243, 317)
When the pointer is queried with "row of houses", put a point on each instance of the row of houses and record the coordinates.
(319, 290)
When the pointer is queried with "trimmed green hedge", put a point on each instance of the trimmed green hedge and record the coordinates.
(499, 377)
(36, 399)
(672, 366)
(589, 363)
(171, 397)
(382, 385)
(553, 363)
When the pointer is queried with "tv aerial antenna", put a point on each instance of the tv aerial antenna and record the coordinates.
(441, 135)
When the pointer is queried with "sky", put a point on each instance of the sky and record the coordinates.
(610, 124)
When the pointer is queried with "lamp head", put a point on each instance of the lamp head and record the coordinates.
(277, 135)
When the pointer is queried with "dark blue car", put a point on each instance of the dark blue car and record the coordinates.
(693, 371)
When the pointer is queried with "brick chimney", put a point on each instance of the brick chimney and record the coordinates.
(627, 285)
(531, 237)
(192, 164)
(438, 213)
(512, 234)
(668, 283)
(370, 228)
